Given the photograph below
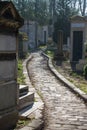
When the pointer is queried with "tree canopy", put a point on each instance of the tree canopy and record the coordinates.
(64, 10)
(33, 10)
(54, 12)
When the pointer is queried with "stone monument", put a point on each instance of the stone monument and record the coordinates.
(78, 38)
(59, 53)
(78, 41)
(10, 22)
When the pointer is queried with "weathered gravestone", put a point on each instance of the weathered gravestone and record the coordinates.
(10, 21)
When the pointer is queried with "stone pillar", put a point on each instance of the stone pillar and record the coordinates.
(59, 53)
(60, 43)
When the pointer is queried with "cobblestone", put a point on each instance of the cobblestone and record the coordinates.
(63, 109)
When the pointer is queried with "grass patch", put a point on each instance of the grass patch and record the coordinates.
(42, 47)
(76, 78)
(21, 78)
(83, 87)
(39, 93)
(22, 123)
(50, 53)
(71, 80)
(79, 84)
(76, 75)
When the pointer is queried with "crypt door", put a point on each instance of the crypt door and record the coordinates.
(77, 45)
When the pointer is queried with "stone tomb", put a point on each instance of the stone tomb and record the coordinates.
(10, 22)
(78, 38)
(8, 62)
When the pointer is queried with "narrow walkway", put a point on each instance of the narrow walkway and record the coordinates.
(63, 109)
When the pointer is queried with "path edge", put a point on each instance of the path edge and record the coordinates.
(67, 83)
(39, 122)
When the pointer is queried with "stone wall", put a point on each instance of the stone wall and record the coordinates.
(8, 70)
(8, 99)
(29, 28)
(7, 42)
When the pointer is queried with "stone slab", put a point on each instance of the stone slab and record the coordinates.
(8, 120)
(82, 61)
(79, 67)
(8, 70)
(7, 43)
(37, 124)
(8, 95)
(26, 100)
(28, 110)
(27, 128)
(23, 90)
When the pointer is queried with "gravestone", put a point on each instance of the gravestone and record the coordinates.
(10, 22)
(80, 65)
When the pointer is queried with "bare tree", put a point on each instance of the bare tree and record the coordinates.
(52, 10)
(73, 3)
(82, 6)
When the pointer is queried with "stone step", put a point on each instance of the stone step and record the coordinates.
(26, 100)
(23, 90)
(24, 113)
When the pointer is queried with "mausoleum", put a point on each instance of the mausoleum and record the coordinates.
(10, 22)
(78, 38)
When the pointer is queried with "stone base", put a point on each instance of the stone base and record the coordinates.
(8, 120)
(58, 57)
(80, 65)
(26, 100)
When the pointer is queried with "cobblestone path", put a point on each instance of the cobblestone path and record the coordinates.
(63, 109)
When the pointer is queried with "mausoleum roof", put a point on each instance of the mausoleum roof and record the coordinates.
(79, 18)
(9, 16)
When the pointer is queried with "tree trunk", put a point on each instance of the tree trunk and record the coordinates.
(84, 8)
(82, 5)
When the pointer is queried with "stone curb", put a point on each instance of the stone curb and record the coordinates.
(71, 86)
(25, 70)
(35, 124)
